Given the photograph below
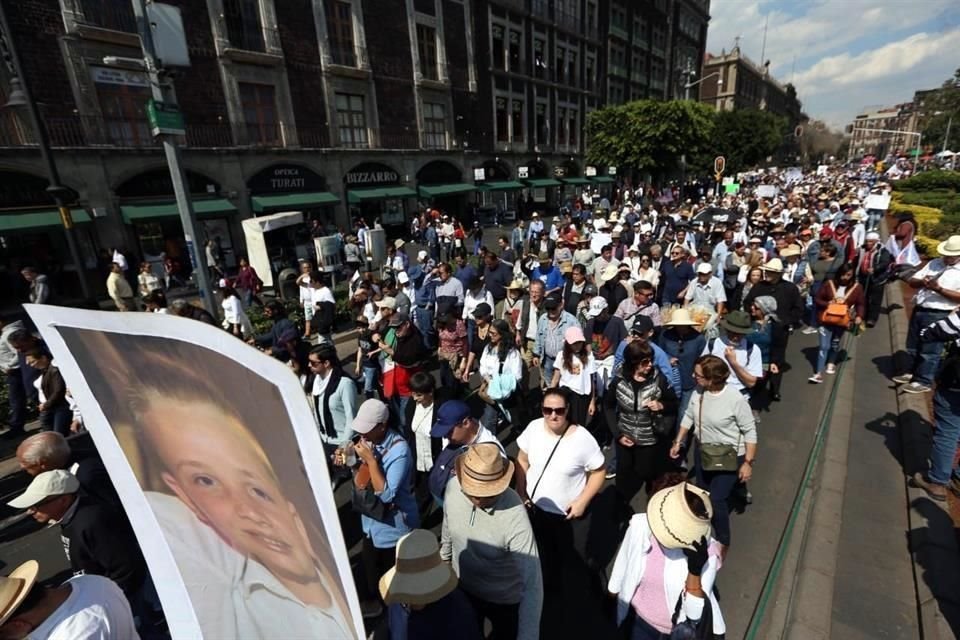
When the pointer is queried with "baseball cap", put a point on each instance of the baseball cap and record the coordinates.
(398, 319)
(388, 302)
(450, 414)
(590, 290)
(597, 306)
(483, 309)
(550, 303)
(403, 278)
(642, 326)
(371, 413)
(573, 335)
(704, 268)
(46, 485)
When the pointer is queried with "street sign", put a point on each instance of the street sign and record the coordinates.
(523, 172)
(719, 164)
(165, 118)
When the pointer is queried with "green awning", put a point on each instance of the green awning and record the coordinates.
(287, 200)
(379, 193)
(202, 208)
(543, 182)
(456, 188)
(576, 181)
(19, 220)
(507, 185)
(603, 179)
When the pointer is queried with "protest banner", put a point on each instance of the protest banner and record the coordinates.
(215, 454)
(767, 191)
(877, 201)
(732, 188)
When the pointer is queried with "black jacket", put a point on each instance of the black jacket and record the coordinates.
(100, 542)
(440, 396)
(787, 295)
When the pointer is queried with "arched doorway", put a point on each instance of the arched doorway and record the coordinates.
(32, 234)
(148, 205)
(440, 184)
(499, 191)
(375, 191)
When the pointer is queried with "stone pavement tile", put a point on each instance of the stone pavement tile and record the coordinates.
(872, 610)
(801, 631)
(840, 629)
(812, 599)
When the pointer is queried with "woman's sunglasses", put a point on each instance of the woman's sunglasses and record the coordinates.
(554, 411)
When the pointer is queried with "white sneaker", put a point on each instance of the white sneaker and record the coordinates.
(815, 379)
(916, 387)
(903, 378)
(808, 331)
(831, 369)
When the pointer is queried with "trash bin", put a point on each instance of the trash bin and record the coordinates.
(288, 289)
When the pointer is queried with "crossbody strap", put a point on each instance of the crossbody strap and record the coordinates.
(547, 463)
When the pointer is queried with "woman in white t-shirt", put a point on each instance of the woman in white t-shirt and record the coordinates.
(574, 371)
(499, 357)
(235, 319)
(560, 468)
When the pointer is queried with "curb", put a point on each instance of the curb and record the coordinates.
(931, 538)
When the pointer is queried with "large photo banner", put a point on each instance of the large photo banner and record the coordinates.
(215, 453)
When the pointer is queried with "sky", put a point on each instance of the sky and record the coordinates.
(844, 55)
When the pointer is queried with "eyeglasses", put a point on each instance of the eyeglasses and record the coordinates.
(314, 363)
(699, 376)
(554, 411)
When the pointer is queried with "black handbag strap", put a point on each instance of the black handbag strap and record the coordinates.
(547, 463)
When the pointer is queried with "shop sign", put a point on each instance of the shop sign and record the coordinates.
(523, 172)
(590, 171)
(479, 175)
(285, 178)
(157, 183)
(611, 171)
(371, 174)
(559, 172)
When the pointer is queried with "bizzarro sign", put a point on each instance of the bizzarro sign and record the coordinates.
(371, 174)
(285, 178)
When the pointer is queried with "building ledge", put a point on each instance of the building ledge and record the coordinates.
(252, 57)
(348, 72)
(439, 85)
(90, 32)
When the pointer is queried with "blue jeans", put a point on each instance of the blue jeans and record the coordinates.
(946, 414)
(18, 400)
(926, 355)
(28, 374)
(873, 218)
(57, 419)
(370, 379)
(829, 345)
(720, 484)
(398, 406)
(423, 321)
(546, 368)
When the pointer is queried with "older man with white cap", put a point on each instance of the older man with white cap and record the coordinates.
(873, 266)
(706, 291)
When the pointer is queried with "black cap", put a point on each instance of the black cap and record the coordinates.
(590, 290)
(551, 302)
(482, 310)
(642, 326)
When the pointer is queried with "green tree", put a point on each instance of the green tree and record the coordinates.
(649, 135)
(745, 137)
(942, 108)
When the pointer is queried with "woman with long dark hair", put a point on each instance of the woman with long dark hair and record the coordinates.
(500, 358)
(574, 372)
(843, 290)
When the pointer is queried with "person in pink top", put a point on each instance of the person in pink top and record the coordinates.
(667, 565)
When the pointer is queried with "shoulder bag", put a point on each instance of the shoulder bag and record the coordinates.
(837, 314)
(364, 498)
(715, 456)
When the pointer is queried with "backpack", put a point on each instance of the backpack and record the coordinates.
(442, 471)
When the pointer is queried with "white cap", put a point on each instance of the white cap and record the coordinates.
(597, 306)
(873, 235)
(703, 267)
(388, 302)
(46, 485)
(402, 277)
(422, 255)
(371, 413)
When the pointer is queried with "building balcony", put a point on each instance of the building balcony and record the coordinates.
(620, 32)
(108, 14)
(618, 70)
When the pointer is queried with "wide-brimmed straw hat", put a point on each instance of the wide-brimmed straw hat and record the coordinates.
(15, 587)
(483, 470)
(672, 521)
(774, 264)
(609, 272)
(420, 576)
(949, 247)
(516, 284)
(680, 318)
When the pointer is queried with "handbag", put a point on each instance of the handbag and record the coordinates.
(837, 314)
(364, 500)
(701, 629)
(715, 456)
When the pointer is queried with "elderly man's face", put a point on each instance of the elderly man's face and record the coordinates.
(536, 293)
(51, 509)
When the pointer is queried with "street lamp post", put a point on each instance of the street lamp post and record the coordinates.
(20, 96)
(687, 85)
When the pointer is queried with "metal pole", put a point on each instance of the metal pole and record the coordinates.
(946, 136)
(165, 95)
(57, 191)
(916, 158)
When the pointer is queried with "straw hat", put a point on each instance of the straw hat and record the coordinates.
(949, 247)
(672, 521)
(15, 587)
(680, 318)
(516, 284)
(776, 265)
(790, 250)
(566, 267)
(483, 470)
(609, 273)
(398, 243)
(420, 575)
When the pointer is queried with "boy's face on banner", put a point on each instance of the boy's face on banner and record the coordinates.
(213, 465)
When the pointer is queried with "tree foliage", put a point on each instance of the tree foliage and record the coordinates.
(649, 135)
(940, 107)
(652, 135)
